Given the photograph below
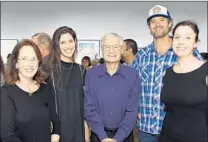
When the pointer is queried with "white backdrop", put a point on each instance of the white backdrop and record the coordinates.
(91, 20)
(7, 46)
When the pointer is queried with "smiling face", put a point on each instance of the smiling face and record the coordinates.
(27, 62)
(85, 63)
(67, 46)
(159, 26)
(112, 49)
(184, 41)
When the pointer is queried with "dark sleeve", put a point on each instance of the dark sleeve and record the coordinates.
(52, 108)
(8, 133)
(83, 74)
(127, 124)
(207, 101)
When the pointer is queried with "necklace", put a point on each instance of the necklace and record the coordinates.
(31, 87)
(62, 82)
(66, 67)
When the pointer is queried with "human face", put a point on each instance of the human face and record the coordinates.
(112, 49)
(159, 26)
(27, 63)
(184, 41)
(85, 64)
(67, 46)
(125, 51)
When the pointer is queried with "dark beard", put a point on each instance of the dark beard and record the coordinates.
(163, 34)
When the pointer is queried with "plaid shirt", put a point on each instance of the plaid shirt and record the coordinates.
(151, 68)
(135, 64)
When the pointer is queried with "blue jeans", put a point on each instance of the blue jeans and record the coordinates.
(146, 137)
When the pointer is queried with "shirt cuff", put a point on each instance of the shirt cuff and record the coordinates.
(56, 129)
(101, 135)
(120, 135)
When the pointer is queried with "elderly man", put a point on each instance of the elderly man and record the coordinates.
(111, 95)
(44, 43)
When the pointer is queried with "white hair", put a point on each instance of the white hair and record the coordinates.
(111, 34)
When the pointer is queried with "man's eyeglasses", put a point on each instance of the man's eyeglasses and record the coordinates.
(115, 47)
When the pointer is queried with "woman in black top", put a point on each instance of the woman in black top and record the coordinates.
(67, 80)
(27, 103)
(185, 90)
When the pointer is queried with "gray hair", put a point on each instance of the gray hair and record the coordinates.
(43, 38)
(111, 34)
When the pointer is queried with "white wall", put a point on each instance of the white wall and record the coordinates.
(91, 20)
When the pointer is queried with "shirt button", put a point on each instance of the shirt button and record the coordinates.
(111, 113)
(112, 89)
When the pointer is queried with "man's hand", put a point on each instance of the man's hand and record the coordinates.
(87, 132)
(108, 140)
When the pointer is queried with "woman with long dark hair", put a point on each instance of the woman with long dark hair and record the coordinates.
(67, 80)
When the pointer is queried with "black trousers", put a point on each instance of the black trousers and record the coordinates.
(110, 133)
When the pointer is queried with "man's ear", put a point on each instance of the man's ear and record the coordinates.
(149, 29)
(130, 49)
(170, 25)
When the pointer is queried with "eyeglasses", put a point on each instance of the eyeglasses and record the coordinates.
(114, 47)
(32, 60)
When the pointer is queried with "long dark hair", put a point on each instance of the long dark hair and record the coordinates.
(54, 57)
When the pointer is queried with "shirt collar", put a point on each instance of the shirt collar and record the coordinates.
(134, 61)
(152, 48)
(103, 70)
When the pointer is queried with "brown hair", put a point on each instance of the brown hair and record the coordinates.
(12, 72)
(2, 71)
(190, 24)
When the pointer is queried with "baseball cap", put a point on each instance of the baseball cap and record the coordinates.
(158, 10)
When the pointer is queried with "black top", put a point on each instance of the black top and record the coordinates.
(27, 118)
(46, 67)
(185, 99)
(70, 103)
